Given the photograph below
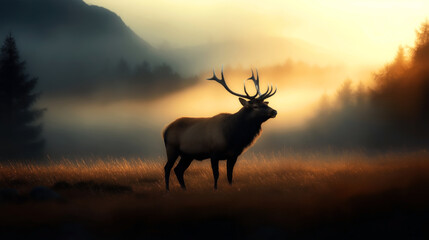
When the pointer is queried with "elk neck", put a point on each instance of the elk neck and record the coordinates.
(244, 129)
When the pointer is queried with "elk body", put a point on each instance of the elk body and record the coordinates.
(222, 137)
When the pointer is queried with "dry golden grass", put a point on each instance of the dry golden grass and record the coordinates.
(349, 173)
(292, 192)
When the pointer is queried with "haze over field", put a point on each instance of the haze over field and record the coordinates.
(114, 73)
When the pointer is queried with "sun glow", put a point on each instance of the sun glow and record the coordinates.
(365, 32)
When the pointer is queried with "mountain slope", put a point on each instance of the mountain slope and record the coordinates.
(68, 44)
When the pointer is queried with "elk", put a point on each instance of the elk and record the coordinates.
(221, 137)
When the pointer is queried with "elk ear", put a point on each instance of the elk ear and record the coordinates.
(266, 102)
(243, 102)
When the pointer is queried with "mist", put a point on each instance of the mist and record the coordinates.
(132, 125)
(110, 91)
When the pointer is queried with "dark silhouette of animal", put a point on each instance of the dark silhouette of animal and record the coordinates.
(222, 137)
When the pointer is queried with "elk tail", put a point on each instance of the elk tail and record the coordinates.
(164, 135)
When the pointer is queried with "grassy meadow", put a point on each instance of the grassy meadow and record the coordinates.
(349, 195)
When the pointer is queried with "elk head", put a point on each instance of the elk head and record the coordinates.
(254, 105)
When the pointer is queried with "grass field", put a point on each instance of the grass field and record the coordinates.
(349, 195)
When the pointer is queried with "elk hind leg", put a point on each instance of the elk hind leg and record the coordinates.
(180, 169)
(172, 155)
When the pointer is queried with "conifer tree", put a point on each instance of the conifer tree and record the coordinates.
(20, 131)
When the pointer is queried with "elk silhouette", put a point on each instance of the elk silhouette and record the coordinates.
(221, 137)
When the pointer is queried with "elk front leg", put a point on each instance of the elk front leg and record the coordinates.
(215, 168)
(230, 162)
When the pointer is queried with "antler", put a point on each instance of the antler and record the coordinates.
(263, 96)
(255, 81)
(268, 93)
(223, 83)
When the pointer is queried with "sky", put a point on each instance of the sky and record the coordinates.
(342, 27)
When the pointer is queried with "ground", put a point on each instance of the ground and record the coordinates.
(348, 195)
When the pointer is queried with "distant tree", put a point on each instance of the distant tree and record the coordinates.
(324, 104)
(421, 49)
(345, 94)
(422, 34)
(143, 72)
(361, 95)
(20, 134)
(163, 71)
(400, 57)
(123, 68)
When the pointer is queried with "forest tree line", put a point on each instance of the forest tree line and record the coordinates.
(393, 114)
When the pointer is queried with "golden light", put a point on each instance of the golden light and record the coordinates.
(364, 32)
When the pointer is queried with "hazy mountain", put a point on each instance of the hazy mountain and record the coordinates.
(69, 45)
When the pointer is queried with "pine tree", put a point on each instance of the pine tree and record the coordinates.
(421, 48)
(345, 94)
(20, 133)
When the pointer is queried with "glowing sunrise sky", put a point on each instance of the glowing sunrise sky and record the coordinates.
(369, 31)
